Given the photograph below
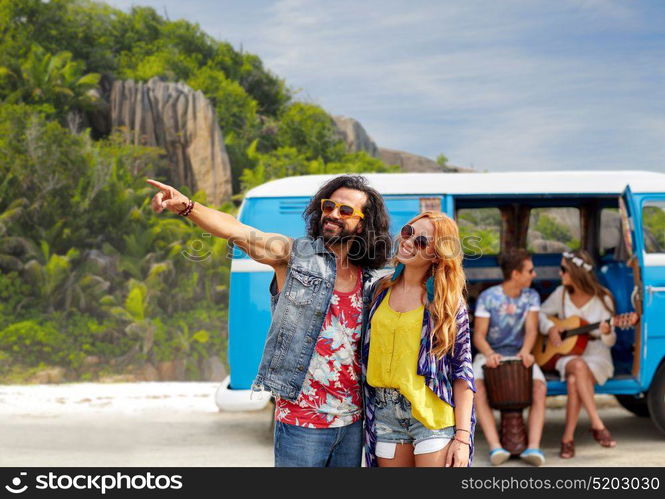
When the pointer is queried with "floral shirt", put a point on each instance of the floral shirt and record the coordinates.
(439, 374)
(507, 316)
(331, 395)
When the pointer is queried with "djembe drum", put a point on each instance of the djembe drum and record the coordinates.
(509, 389)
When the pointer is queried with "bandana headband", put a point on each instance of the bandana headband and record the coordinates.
(577, 261)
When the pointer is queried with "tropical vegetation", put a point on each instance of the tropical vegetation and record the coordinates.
(89, 275)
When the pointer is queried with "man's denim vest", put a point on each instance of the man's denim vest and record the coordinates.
(298, 312)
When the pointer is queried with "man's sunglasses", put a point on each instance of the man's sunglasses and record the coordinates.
(345, 211)
(420, 242)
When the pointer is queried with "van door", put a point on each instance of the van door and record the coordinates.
(651, 237)
(629, 226)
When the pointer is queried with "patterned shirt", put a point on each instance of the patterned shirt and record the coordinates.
(331, 395)
(507, 316)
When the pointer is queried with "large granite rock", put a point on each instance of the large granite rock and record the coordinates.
(610, 230)
(547, 246)
(414, 163)
(181, 121)
(356, 137)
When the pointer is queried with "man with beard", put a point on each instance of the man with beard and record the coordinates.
(319, 294)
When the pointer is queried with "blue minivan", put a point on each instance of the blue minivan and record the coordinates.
(618, 216)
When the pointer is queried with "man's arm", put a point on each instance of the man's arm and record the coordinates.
(551, 306)
(530, 330)
(480, 327)
(264, 247)
(268, 248)
(530, 335)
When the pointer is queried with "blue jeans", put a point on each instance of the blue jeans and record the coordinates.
(297, 446)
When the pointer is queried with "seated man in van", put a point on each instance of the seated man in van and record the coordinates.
(506, 325)
(310, 360)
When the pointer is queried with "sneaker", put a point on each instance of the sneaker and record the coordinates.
(533, 456)
(499, 456)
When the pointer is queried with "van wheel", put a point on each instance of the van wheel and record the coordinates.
(656, 398)
(637, 406)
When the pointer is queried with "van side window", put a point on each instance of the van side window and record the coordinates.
(480, 230)
(653, 226)
(610, 230)
(553, 230)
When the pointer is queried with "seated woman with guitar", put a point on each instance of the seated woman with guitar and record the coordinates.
(584, 309)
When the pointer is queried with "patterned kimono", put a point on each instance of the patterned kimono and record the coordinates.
(439, 374)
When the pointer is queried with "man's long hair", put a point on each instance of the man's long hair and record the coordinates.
(370, 248)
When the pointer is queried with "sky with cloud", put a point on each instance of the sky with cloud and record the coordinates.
(494, 85)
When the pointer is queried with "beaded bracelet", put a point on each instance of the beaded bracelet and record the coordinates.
(187, 210)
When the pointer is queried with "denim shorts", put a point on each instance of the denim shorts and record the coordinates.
(396, 424)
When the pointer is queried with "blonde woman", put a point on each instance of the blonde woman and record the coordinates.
(416, 354)
(581, 294)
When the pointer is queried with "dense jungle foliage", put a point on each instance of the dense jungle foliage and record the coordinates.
(91, 279)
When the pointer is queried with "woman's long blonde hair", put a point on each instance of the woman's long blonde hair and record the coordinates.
(449, 281)
(586, 280)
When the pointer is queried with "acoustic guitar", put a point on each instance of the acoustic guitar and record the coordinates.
(574, 337)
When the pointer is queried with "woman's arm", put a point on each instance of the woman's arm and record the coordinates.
(609, 338)
(458, 453)
(463, 392)
(551, 306)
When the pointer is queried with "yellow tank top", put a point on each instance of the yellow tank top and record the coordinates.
(393, 363)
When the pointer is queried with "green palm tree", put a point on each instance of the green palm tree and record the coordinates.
(56, 79)
(12, 247)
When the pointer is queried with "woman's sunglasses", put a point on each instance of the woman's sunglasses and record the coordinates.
(345, 211)
(563, 269)
(420, 242)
